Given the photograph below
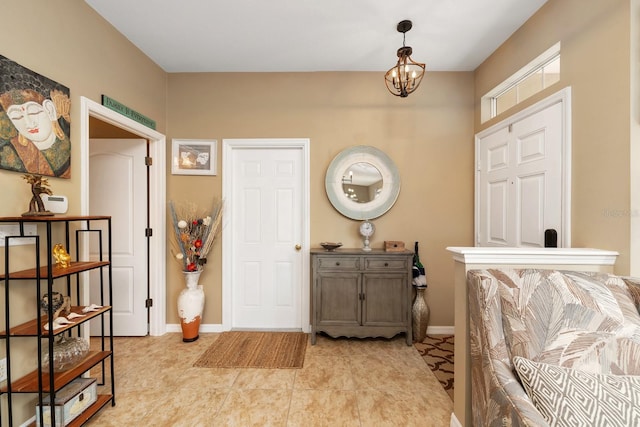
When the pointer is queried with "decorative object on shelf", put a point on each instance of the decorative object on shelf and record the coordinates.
(73, 315)
(195, 232)
(366, 230)
(190, 306)
(57, 323)
(405, 77)
(67, 352)
(59, 303)
(330, 246)
(393, 246)
(92, 307)
(69, 403)
(420, 309)
(38, 186)
(62, 257)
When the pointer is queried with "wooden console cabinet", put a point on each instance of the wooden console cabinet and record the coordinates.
(361, 294)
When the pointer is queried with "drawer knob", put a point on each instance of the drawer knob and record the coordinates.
(386, 264)
(337, 262)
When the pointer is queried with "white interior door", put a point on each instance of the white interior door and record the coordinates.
(266, 205)
(117, 179)
(520, 180)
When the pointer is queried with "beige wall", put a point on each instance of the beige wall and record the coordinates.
(634, 125)
(71, 44)
(68, 42)
(428, 135)
(595, 63)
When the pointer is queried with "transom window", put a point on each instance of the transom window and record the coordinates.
(539, 74)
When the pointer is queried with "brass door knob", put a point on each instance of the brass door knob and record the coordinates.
(298, 247)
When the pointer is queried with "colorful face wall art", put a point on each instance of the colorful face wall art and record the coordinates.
(34, 122)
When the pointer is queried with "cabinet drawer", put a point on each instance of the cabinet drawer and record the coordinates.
(338, 263)
(385, 263)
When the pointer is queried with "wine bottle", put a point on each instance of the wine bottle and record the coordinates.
(416, 260)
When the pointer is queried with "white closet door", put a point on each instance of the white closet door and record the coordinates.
(267, 234)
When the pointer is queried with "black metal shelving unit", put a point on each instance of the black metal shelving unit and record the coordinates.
(43, 276)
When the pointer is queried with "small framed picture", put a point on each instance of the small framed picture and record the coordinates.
(194, 156)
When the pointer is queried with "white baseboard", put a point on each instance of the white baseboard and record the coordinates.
(440, 330)
(454, 421)
(217, 327)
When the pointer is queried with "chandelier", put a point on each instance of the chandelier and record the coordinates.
(405, 77)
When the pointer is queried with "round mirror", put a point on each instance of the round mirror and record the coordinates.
(362, 182)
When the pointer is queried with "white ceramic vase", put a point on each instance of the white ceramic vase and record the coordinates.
(190, 306)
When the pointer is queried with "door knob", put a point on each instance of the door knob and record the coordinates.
(298, 247)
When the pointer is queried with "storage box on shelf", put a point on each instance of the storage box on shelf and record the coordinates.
(47, 278)
(71, 401)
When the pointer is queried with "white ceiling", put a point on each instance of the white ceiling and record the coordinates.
(314, 35)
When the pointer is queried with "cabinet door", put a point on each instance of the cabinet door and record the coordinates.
(385, 299)
(338, 299)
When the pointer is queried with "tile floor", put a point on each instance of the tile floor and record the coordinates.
(344, 382)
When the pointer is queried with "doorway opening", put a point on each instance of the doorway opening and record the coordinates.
(92, 112)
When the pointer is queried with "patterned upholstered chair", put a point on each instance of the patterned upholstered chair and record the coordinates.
(553, 348)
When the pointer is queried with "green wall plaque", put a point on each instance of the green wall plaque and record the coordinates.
(114, 105)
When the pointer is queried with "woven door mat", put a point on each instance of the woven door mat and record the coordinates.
(240, 349)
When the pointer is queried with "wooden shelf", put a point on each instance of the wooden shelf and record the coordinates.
(52, 218)
(30, 328)
(44, 381)
(101, 401)
(75, 267)
(29, 383)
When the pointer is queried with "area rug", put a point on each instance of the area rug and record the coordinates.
(238, 349)
(437, 352)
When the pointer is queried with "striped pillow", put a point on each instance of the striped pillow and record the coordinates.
(571, 397)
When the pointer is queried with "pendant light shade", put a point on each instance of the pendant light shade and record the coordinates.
(405, 77)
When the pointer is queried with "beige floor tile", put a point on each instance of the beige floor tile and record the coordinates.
(310, 408)
(188, 407)
(204, 378)
(254, 408)
(266, 379)
(327, 346)
(378, 346)
(325, 372)
(131, 408)
(392, 408)
(344, 382)
(382, 372)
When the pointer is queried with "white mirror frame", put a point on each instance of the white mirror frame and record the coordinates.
(390, 182)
